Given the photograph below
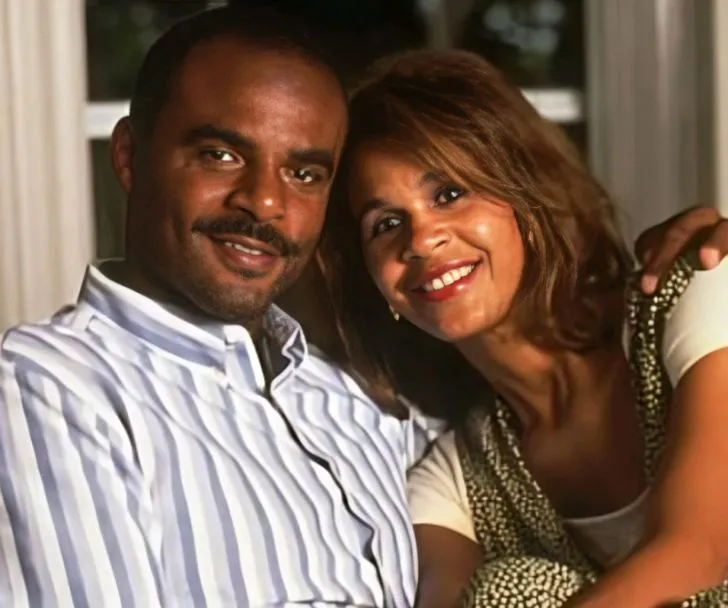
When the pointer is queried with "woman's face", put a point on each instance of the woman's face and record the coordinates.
(448, 260)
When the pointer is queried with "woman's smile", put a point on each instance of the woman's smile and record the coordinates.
(446, 280)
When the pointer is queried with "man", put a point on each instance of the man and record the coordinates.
(172, 439)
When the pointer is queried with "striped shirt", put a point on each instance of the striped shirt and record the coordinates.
(144, 462)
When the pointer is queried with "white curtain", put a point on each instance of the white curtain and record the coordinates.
(650, 99)
(45, 202)
(720, 71)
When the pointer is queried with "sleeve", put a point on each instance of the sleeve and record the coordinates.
(698, 325)
(420, 433)
(75, 519)
(436, 490)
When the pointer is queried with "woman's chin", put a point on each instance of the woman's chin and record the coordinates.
(450, 332)
(458, 327)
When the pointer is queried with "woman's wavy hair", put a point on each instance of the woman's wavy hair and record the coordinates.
(455, 114)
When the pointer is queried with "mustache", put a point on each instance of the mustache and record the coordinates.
(243, 226)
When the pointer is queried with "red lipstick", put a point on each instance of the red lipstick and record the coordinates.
(444, 281)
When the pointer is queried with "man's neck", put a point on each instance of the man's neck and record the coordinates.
(125, 274)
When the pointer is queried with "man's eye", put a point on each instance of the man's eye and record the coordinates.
(448, 194)
(385, 225)
(307, 175)
(220, 156)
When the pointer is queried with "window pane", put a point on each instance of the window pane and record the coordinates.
(119, 33)
(109, 203)
(538, 43)
(356, 32)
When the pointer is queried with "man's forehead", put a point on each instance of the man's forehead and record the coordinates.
(230, 75)
(277, 105)
(226, 62)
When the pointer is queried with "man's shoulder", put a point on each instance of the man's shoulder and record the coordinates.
(59, 347)
(47, 336)
(58, 366)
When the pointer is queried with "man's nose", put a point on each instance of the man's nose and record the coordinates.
(260, 193)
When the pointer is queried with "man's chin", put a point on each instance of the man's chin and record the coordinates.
(236, 308)
(234, 294)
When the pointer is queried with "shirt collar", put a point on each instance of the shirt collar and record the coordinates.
(181, 333)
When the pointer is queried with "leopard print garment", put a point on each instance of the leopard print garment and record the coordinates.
(530, 559)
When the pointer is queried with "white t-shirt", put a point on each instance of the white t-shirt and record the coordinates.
(697, 327)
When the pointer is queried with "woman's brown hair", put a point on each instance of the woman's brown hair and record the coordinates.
(456, 115)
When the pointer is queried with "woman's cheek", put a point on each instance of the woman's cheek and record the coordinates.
(382, 278)
(383, 269)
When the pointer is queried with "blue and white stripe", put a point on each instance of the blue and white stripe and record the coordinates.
(143, 465)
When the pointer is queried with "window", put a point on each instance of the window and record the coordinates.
(118, 35)
(539, 43)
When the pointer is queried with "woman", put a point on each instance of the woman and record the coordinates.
(497, 300)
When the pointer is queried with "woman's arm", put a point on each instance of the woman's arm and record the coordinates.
(447, 561)
(686, 548)
(446, 545)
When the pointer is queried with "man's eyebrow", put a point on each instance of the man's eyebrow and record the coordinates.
(229, 136)
(314, 156)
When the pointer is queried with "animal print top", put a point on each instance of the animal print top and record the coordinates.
(531, 560)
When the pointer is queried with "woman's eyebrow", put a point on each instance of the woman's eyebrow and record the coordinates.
(428, 177)
(370, 205)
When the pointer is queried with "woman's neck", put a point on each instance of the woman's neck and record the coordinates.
(539, 386)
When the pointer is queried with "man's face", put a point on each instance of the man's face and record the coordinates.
(228, 194)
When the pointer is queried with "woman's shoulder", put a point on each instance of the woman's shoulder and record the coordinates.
(698, 323)
(436, 489)
(442, 454)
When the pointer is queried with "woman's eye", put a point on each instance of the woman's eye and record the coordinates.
(384, 225)
(448, 194)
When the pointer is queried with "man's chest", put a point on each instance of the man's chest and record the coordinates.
(294, 498)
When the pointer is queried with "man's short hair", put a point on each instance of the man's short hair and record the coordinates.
(263, 26)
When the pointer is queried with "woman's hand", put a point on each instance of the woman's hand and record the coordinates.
(658, 247)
